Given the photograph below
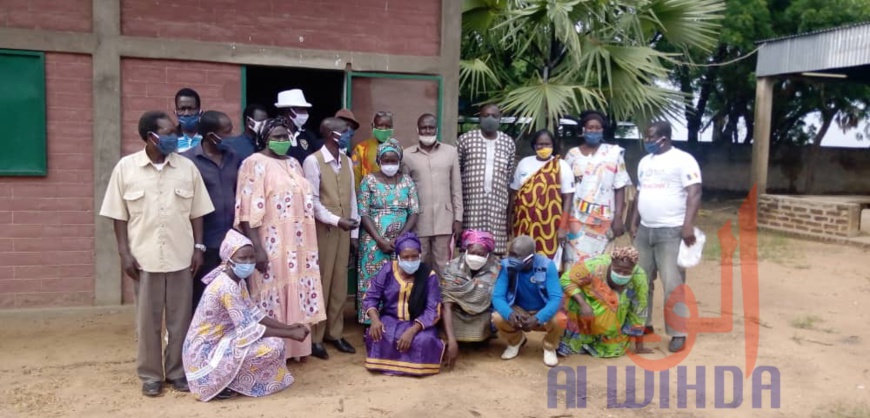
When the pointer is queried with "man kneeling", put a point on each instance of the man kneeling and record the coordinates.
(526, 298)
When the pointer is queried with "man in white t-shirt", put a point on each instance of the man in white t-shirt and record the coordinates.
(669, 196)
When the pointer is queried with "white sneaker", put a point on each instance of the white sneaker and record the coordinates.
(513, 350)
(550, 358)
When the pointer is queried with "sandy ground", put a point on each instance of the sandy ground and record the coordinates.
(815, 307)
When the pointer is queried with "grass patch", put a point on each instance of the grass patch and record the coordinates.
(843, 409)
(805, 322)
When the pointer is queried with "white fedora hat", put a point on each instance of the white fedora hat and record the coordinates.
(292, 98)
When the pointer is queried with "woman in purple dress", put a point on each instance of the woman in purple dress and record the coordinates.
(404, 304)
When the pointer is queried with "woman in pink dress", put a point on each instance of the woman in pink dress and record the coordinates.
(274, 208)
(232, 346)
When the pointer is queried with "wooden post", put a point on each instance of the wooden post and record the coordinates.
(761, 135)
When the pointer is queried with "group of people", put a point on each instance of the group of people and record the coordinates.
(244, 243)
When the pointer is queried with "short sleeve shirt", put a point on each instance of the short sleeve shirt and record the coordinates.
(662, 181)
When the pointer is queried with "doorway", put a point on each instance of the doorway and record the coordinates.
(324, 89)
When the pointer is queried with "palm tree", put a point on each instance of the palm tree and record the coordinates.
(542, 59)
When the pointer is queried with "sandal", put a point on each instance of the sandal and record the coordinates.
(226, 394)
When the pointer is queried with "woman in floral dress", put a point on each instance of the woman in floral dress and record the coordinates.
(388, 207)
(274, 208)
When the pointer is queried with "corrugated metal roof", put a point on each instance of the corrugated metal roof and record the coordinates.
(847, 46)
(815, 32)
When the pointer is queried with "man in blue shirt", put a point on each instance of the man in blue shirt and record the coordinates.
(246, 144)
(527, 297)
(219, 167)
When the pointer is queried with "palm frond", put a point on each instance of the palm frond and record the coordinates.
(689, 23)
(544, 102)
(477, 77)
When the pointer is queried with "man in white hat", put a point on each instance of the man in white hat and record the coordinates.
(293, 106)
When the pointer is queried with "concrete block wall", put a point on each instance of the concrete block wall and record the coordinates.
(408, 27)
(799, 215)
(47, 223)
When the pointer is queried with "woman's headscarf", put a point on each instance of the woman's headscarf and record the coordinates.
(473, 236)
(232, 243)
(625, 253)
(270, 125)
(390, 145)
(407, 240)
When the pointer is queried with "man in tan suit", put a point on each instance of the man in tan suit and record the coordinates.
(330, 173)
(434, 167)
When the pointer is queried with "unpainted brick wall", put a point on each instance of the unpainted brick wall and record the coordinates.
(403, 27)
(803, 215)
(152, 84)
(46, 223)
(60, 15)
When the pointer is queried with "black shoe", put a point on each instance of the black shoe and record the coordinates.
(319, 351)
(342, 345)
(677, 344)
(180, 385)
(226, 394)
(152, 389)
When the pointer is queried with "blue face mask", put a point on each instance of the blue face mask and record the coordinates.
(166, 144)
(520, 264)
(344, 140)
(220, 143)
(189, 123)
(409, 267)
(619, 279)
(243, 271)
(593, 138)
(652, 147)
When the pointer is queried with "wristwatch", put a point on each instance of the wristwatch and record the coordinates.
(199, 247)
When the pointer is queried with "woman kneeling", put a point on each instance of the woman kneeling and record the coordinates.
(232, 346)
(606, 305)
(404, 305)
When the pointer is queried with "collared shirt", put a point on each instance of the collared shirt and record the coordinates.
(242, 145)
(157, 206)
(220, 181)
(311, 168)
(188, 142)
(439, 187)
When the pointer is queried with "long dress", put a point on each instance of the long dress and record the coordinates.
(390, 293)
(617, 315)
(275, 197)
(471, 295)
(487, 167)
(225, 347)
(538, 205)
(596, 178)
(388, 207)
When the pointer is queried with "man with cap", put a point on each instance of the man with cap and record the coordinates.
(349, 118)
(293, 106)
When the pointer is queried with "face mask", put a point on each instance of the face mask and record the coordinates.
(489, 123)
(299, 119)
(344, 138)
(242, 271)
(189, 123)
(220, 144)
(593, 138)
(166, 144)
(428, 140)
(409, 267)
(619, 279)
(255, 126)
(279, 147)
(544, 153)
(382, 134)
(520, 264)
(652, 147)
(475, 262)
(390, 170)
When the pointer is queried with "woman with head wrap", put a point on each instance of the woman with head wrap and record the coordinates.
(388, 207)
(232, 346)
(404, 304)
(466, 290)
(600, 178)
(605, 304)
(275, 210)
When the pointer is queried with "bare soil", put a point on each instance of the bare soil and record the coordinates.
(815, 307)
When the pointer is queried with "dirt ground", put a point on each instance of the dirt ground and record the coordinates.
(814, 311)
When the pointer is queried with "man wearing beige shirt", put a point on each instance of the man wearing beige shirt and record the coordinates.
(157, 200)
(434, 167)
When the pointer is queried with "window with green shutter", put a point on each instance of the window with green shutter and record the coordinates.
(22, 113)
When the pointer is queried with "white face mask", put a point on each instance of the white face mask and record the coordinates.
(475, 262)
(299, 119)
(256, 126)
(428, 140)
(390, 170)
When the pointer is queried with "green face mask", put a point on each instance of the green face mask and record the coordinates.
(382, 134)
(279, 147)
